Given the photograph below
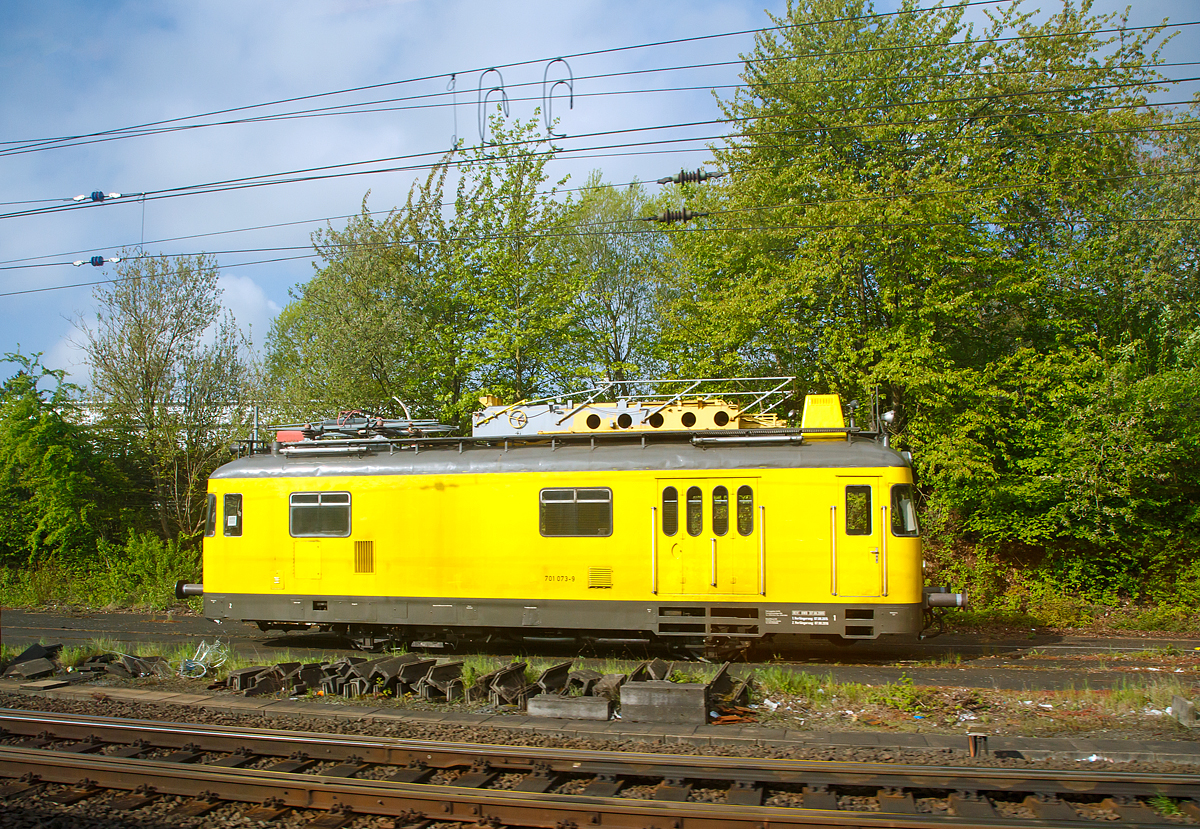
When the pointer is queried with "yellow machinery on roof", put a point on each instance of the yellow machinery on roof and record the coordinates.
(644, 406)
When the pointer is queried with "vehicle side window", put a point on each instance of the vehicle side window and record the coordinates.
(670, 511)
(745, 510)
(317, 514)
(904, 511)
(720, 510)
(210, 517)
(858, 510)
(575, 512)
(695, 510)
(233, 515)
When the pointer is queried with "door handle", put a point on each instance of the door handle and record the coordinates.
(876, 553)
(713, 583)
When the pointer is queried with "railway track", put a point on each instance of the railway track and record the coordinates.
(65, 758)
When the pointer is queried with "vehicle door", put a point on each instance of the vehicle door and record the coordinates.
(855, 538)
(707, 537)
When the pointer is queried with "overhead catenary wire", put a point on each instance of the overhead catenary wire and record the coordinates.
(689, 230)
(269, 179)
(373, 107)
(626, 146)
(530, 62)
(753, 228)
(1188, 126)
(32, 145)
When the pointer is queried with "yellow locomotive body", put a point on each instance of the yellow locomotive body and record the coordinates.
(707, 539)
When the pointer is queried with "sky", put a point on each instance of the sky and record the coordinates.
(80, 67)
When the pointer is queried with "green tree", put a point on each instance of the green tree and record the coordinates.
(915, 206)
(444, 297)
(59, 492)
(619, 266)
(172, 370)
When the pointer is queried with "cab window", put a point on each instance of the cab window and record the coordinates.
(575, 511)
(745, 510)
(317, 514)
(858, 510)
(904, 511)
(210, 516)
(233, 515)
(695, 510)
(670, 511)
(720, 510)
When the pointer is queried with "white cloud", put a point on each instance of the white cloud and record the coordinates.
(251, 307)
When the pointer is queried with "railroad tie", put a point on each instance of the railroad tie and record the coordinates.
(89, 746)
(479, 775)
(896, 802)
(971, 805)
(1130, 811)
(743, 793)
(201, 804)
(1191, 808)
(80, 791)
(271, 809)
(819, 797)
(1049, 807)
(136, 799)
(414, 772)
(673, 789)
(190, 753)
(540, 780)
(44, 738)
(297, 762)
(352, 766)
(605, 785)
(135, 749)
(242, 757)
(335, 818)
(28, 782)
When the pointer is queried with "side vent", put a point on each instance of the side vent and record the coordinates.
(600, 577)
(364, 556)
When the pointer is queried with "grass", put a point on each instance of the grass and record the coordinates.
(1164, 805)
(139, 574)
(784, 695)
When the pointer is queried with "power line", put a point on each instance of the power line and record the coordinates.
(159, 127)
(1181, 127)
(323, 251)
(308, 174)
(1166, 128)
(590, 53)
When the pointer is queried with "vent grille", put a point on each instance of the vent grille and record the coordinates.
(364, 556)
(600, 577)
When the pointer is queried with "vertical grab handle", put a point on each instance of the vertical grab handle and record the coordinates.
(833, 550)
(654, 550)
(883, 534)
(762, 550)
(713, 583)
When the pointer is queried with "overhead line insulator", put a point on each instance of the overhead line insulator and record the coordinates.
(674, 216)
(96, 261)
(690, 177)
(97, 196)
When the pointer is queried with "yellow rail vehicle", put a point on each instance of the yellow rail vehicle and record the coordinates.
(616, 532)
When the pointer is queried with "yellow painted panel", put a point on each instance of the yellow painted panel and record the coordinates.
(471, 536)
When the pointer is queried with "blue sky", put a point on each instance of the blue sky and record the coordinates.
(78, 66)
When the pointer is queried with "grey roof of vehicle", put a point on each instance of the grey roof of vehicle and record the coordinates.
(668, 458)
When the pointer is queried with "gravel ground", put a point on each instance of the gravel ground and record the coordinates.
(34, 813)
(460, 733)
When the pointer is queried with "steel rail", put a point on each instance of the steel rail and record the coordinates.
(442, 755)
(450, 803)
